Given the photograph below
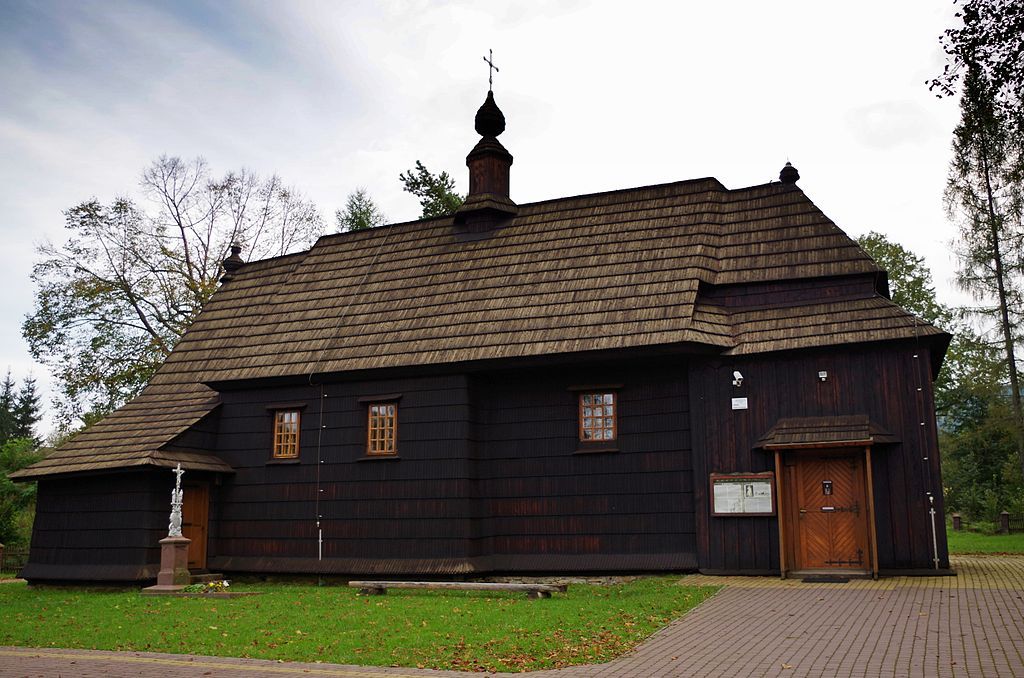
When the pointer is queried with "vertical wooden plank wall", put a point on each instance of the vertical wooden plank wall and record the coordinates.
(410, 513)
(880, 382)
(100, 527)
(487, 478)
(548, 506)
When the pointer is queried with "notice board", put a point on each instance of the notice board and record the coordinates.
(743, 494)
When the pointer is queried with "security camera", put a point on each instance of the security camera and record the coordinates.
(737, 379)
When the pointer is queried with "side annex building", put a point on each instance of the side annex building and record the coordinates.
(673, 377)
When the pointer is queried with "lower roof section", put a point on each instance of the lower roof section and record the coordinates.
(137, 435)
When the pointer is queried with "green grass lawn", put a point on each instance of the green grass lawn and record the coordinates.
(975, 542)
(471, 630)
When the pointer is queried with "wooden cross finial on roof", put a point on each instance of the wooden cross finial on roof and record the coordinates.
(490, 63)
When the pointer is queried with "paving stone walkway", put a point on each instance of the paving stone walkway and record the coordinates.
(967, 626)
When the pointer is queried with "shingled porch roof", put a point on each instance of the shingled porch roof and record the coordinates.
(843, 430)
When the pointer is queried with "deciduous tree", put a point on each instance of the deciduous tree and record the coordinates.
(990, 38)
(16, 499)
(111, 302)
(971, 363)
(910, 279)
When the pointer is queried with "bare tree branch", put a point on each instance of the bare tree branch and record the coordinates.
(112, 301)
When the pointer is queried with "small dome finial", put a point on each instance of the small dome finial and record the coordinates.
(232, 263)
(490, 121)
(789, 175)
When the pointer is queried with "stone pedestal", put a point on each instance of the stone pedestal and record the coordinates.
(174, 563)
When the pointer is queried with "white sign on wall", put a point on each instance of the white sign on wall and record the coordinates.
(742, 494)
(739, 403)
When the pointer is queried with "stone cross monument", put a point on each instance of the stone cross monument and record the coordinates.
(174, 528)
(174, 574)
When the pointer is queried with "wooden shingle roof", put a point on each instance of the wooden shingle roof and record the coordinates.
(140, 433)
(609, 271)
(617, 270)
(134, 435)
(807, 325)
(825, 431)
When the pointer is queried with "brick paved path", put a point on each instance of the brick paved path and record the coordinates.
(966, 626)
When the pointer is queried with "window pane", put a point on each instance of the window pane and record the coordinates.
(597, 416)
(286, 434)
(381, 428)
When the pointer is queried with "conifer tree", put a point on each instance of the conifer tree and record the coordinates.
(983, 193)
(436, 191)
(8, 398)
(26, 412)
(360, 212)
(19, 413)
(19, 410)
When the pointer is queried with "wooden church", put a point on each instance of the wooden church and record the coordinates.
(667, 378)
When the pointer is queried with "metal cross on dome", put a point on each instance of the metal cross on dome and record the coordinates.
(490, 74)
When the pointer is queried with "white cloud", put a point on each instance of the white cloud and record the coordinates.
(598, 96)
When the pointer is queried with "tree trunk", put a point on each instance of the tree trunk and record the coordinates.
(1004, 313)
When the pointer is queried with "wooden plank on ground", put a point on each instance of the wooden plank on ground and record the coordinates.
(532, 590)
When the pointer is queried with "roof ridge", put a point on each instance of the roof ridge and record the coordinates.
(447, 219)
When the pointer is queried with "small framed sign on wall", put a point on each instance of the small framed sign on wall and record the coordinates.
(743, 494)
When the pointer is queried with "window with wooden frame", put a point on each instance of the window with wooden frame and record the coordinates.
(598, 416)
(286, 434)
(382, 429)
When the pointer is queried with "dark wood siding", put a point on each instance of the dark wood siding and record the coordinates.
(410, 513)
(100, 528)
(487, 478)
(881, 382)
(201, 436)
(789, 292)
(490, 475)
(547, 504)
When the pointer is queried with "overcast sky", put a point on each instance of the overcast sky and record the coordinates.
(597, 96)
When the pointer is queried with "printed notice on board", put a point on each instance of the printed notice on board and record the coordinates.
(742, 495)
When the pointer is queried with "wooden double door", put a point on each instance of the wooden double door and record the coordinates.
(828, 512)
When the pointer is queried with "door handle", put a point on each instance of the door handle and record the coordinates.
(803, 511)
